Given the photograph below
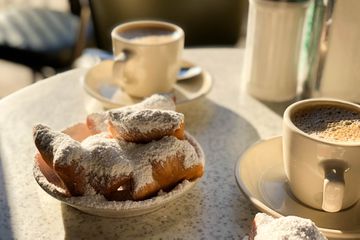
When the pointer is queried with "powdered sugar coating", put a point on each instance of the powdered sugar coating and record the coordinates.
(104, 159)
(144, 155)
(62, 149)
(98, 201)
(157, 151)
(98, 157)
(143, 175)
(145, 121)
(285, 228)
(156, 101)
(98, 121)
(99, 205)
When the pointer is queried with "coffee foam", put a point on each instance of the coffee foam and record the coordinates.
(153, 39)
(329, 122)
(149, 35)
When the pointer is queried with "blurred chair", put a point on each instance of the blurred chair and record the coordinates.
(40, 37)
(205, 22)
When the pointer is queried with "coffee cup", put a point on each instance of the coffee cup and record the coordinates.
(321, 151)
(147, 56)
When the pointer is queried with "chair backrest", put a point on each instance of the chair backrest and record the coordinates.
(205, 22)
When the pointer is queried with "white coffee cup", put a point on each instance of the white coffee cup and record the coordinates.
(147, 56)
(322, 163)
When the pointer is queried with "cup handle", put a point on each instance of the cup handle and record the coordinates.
(333, 189)
(119, 61)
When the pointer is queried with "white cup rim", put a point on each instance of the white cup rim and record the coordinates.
(318, 101)
(178, 30)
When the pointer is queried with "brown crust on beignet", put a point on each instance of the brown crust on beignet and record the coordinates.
(141, 152)
(171, 161)
(51, 143)
(252, 233)
(155, 134)
(166, 176)
(68, 159)
(97, 122)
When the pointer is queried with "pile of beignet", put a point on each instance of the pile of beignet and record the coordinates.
(265, 227)
(131, 154)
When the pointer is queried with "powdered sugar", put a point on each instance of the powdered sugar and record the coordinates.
(145, 121)
(98, 205)
(104, 159)
(98, 121)
(99, 202)
(285, 228)
(117, 158)
(58, 146)
(156, 101)
(145, 155)
(158, 151)
(99, 158)
(46, 185)
(143, 175)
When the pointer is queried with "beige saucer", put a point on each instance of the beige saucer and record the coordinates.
(260, 176)
(98, 83)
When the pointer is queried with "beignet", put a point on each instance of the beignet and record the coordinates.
(284, 228)
(97, 122)
(144, 151)
(145, 125)
(97, 165)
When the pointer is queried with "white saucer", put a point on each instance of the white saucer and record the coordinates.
(98, 205)
(98, 83)
(261, 177)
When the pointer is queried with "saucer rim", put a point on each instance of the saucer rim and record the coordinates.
(187, 63)
(263, 207)
(106, 102)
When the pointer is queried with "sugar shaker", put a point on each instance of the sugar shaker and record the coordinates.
(274, 35)
(331, 66)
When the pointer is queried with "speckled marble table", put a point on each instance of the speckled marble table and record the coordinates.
(226, 122)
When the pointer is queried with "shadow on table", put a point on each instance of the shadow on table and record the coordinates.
(5, 218)
(213, 203)
(279, 107)
(226, 135)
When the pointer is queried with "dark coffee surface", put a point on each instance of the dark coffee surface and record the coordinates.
(329, 122)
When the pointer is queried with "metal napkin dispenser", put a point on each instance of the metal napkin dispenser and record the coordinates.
(330, 62)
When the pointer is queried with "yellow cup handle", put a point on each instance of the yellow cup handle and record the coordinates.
(118, 67)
